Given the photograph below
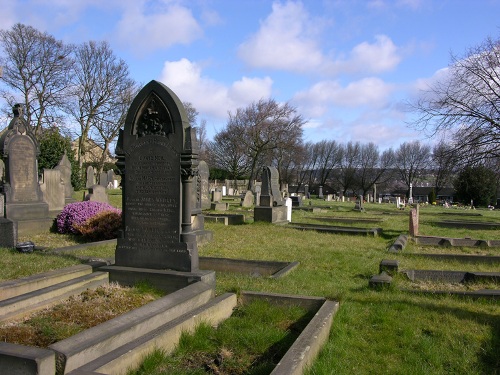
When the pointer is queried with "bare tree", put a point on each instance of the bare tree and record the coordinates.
(329, 157)
(412, 158)
(101, 84)
(444, 164)
(466, 102)
(264, 126)
(227, 152)
(36, 67)
(373, 167)
(349, 163)
(107, 127)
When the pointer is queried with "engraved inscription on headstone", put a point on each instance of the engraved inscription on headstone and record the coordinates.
(23, 173)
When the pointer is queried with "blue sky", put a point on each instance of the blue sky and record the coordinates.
(346, 65)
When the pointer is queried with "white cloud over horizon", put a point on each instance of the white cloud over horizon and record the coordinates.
(185, 78)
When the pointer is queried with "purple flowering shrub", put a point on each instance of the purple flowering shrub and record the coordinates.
(103, 226)
(75, 214)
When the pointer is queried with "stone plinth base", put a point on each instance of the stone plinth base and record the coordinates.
(271, 214)
(29, 227)
(166, 280)
(8, 233)
(26, 211)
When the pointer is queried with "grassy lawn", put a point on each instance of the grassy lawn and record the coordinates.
(387, 331)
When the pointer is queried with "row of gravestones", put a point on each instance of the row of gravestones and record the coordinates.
(106, 179)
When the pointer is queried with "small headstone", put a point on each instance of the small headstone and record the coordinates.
(204, 174)
(64, 167)
(320, 192)
(414, 222)
(110, 177)
(216, 196)
(296, 201)
(224, 191)
(103, 179)
(97, 193)
(53, 189)
(230, 192)
(247, 201)
(90, 177)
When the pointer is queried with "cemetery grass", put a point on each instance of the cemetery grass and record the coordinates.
(389, 331)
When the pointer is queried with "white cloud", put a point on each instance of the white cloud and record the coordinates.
(285, 40)
(368, 92)
(208, 96)
(162, 27)
(378, 57)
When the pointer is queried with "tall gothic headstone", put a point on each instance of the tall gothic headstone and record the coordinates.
(271, 208)
(24, 202)
(158, 159)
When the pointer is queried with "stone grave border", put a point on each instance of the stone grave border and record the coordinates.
(348, 219)
(402, 241)
(226, 219)
(473, 225)
(389, 267)
(337, 230)
(112, 347)
(257, 268)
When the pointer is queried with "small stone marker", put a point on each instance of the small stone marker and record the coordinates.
(97, 193)
(414, 222)
(247, 201)
(383, 280)
(53, 190)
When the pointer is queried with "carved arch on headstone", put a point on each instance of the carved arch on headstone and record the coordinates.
(156, 110)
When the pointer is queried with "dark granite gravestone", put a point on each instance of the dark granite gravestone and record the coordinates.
(64, 166)
(158, 159)
(90, 177)
(271, 208)
(204, 174)
(24, 202)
